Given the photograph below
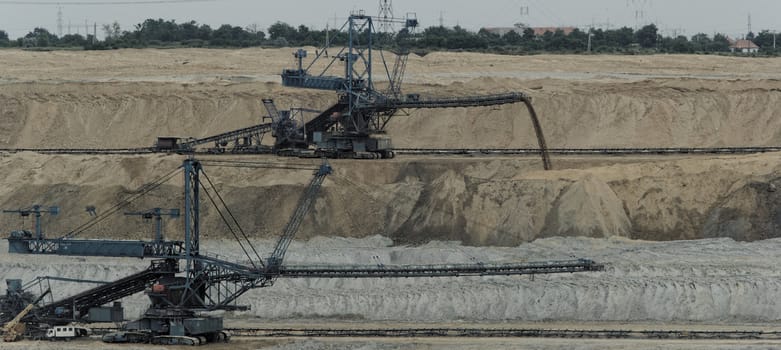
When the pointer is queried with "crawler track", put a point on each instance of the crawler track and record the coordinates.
(495, 333)
(587, 151)
(436, 151)
(507, 333)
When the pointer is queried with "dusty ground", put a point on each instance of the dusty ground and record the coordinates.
(420, 343)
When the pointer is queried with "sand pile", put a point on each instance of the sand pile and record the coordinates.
(588, 207)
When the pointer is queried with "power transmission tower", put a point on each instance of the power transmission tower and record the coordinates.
(522, 21)
(640, 8)
(59, 21)
(385, 16)
(441, 19)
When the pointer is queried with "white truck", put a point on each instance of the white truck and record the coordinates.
(66, 332)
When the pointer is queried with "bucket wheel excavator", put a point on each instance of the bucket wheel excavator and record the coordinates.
(183, 281)
(353, 126)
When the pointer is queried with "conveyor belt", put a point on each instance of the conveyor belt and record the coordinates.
(228, 136)
(454, 270)
(105, 293)
(324, 120)
(452, 102)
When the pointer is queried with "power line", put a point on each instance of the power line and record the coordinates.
(543, 9)
(88, 3)
(640, 8)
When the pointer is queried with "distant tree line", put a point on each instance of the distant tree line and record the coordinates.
(159, 32)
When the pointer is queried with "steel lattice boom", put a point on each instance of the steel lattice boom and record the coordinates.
(354, 127)
(209, 283)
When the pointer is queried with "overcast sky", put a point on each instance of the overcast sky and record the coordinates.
(686, 17)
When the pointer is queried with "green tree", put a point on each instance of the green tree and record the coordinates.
(112, 31)
(701, 42)
(192, 31)
(4, 39)
(227, 35)
(305, 36)
(41, 37)
(282, 30)
(764, 40)
(492, 38)
(528, 34)
(647, 36)
(158, 30)
(512, 38)
(73, 40)
(254, 30)
(622, 37)
(460, 38)
(681, 45)
(720, 43)
(577, 40)
(433, 37)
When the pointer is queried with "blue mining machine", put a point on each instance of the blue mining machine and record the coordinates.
(184, 283)
(354, 126)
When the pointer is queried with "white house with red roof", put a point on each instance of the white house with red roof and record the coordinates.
(743, 46)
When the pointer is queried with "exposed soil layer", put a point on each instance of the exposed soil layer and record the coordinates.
(127, 98)
(479, 201)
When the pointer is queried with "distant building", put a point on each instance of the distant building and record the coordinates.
(743, 46)
(520, 28)
(539, 31)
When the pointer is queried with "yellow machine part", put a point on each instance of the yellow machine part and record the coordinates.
(14, 333)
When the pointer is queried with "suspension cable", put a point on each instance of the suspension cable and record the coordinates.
(230, 228)
(139, 192)
(236, 222)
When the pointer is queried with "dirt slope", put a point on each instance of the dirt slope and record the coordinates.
(127, 98)
(488, 201)
(650, 113)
